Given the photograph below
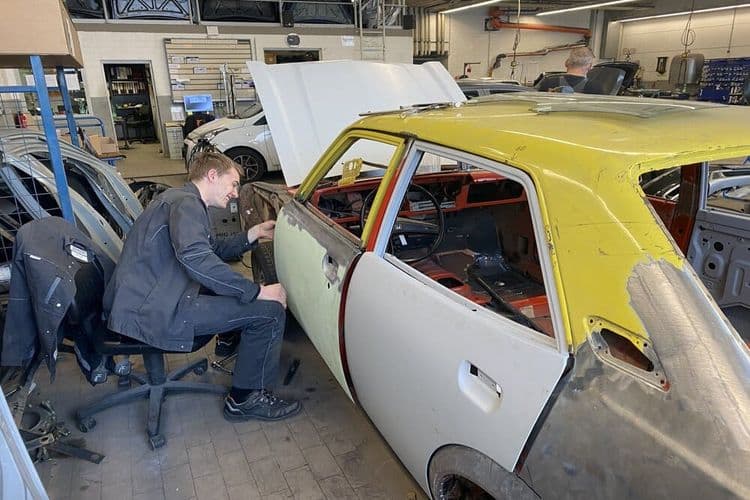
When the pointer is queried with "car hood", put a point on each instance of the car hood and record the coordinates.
(308, 104)
(228, 123)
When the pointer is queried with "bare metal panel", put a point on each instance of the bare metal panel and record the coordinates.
(720, 253)
(610, 435)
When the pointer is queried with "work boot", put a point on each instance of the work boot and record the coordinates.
(260, 405)
(226, 344)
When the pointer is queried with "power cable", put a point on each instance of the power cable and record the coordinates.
(516, 40)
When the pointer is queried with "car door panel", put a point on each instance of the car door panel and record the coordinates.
(312, 260)
(431, 368)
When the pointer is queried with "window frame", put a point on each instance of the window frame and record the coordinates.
(331, 158)
(411, 163)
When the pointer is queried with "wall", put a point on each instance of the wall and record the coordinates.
(653, 38)
(470, 43)
(140, 43)
(10, 103)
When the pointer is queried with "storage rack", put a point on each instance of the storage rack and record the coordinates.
(723, 80)
(48, 125)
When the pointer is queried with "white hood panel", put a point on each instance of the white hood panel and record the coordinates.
(308, 104)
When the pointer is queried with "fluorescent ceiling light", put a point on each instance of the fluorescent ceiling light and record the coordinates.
(584, 7)
(466, 7)
(685, 13)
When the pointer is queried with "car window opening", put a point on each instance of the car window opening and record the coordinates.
(468, 229)
(711, 237)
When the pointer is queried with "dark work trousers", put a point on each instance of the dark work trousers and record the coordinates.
(262, 325)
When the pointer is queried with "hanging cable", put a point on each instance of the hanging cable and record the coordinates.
(731, 32)
(688, 34)
(516, 40)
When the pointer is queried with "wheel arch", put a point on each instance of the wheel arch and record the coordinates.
(472, 464)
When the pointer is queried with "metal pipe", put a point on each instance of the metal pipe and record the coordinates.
(63, 84)
(48, 124)
(497, 24)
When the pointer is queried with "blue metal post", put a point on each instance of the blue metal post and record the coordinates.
(48, 123)
(63, 85)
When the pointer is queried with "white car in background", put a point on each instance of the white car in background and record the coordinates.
(246, 139)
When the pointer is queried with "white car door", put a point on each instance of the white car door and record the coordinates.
(432, 368)
(314, 253)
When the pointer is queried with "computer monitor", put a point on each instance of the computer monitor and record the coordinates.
(198, 103)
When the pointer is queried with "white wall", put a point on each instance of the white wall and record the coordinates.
(470, 43)
(105, 46)
(654, 38)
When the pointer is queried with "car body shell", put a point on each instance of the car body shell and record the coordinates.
(592, 426)
(116, 205)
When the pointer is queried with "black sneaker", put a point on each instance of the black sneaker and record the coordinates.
(260, 405)
(226, 344)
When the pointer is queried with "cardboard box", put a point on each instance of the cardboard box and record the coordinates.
(38, 27)
(102, 146)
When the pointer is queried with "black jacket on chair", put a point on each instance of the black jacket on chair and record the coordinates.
(42, 287)
(169, 254)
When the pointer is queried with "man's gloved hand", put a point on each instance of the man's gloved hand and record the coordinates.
(273, 292)
(263, 230)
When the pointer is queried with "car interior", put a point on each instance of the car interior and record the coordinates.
(467, 229)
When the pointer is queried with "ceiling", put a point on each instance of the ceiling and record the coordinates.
(531, 7)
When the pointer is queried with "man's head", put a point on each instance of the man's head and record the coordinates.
(579, 61)
(217, 178)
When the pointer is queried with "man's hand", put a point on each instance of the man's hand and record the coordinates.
(263, 230)
(273, 292)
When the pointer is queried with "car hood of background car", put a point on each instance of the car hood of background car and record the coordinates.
(308, 104)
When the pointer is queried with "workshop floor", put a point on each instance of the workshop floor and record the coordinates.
(329, 451)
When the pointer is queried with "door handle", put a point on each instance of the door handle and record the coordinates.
(478, 387)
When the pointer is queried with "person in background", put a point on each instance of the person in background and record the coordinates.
(577, 65)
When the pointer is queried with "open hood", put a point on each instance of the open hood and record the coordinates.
(219, 123)
(308, 104)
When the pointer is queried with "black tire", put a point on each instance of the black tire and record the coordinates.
(253, 164)
(461, 473)
(145, 191)
(264, 268)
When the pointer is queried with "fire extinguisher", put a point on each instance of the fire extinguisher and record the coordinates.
(21, 120)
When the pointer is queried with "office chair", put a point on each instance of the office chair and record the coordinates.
(141, 121)
(84, 317)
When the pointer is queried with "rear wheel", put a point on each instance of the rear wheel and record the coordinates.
(252, 163)
(461, 473)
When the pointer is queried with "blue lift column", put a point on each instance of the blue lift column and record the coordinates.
(62, 84)
(50, 133)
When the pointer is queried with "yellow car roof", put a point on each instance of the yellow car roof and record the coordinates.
(585, 154)
(526, 126)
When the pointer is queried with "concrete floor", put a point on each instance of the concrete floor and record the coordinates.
(329, 451)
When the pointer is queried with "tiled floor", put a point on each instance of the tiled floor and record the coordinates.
(328, 451)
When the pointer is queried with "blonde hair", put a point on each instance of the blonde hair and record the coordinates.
(203, 162)
(580, 57)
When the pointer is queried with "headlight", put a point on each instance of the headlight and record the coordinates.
(210, 135)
